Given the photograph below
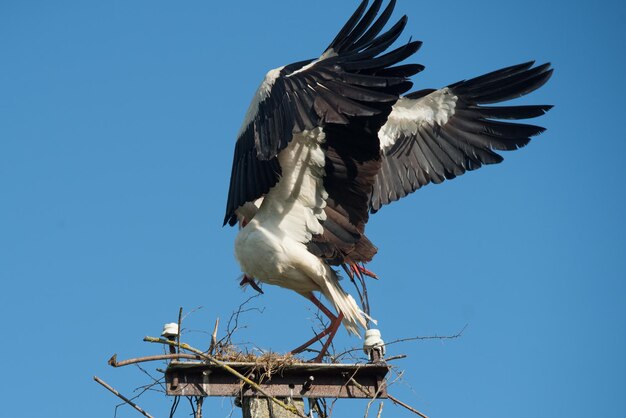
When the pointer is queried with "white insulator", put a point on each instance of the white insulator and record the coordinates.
(170, 330)
(373, 342)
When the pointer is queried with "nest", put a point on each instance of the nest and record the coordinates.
(264, 365)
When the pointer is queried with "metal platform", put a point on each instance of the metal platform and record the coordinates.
(304, 380)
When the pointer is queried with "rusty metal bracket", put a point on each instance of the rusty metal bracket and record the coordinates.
(310, 380)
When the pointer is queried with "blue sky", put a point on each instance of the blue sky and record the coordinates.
(117, 126)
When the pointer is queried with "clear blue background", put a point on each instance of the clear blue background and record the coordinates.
(117, 126)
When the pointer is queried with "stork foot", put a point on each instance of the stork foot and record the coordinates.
(247, 280)
(360, 271)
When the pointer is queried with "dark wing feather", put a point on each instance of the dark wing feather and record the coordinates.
(352, 163)
(434, 135)
(346, 83)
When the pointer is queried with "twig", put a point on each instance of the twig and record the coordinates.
(226, 339)
(191, 311)
(399, 402)
(113, 360)
(214, 336)
(314, 404)
(180, 319)
(332, 406)
(230, 370)
(430, 337)
(174, 406)
(143, 389)
(122, 397)
(369, 404)
(392, 398)
(380, 410)
(155, 381)
(398, 357)
(193, 408)
(360, 387)
(373, 397)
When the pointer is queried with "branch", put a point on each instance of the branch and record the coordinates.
(190, 312)
(214, 337)
(392, 398)
(430, 337)
(113, 360)
(226, 339)
(122, 397)
(230, 370)
(155, 382)
(399, 402)
(180, 319)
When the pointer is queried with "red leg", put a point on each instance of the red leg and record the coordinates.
(311, 341)
(334, 326)
(323, 308)
(330, 331)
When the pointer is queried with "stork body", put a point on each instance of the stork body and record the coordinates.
(272, 246)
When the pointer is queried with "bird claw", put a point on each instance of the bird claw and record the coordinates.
(360, 271)
(247, 280)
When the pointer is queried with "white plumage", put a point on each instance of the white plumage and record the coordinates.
(408, 115)
(272, 246)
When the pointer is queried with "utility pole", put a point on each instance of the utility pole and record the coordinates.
(264, 408)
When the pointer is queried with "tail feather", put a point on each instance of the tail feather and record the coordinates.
(354, 319)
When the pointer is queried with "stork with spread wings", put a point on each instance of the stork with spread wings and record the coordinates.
(326, 142)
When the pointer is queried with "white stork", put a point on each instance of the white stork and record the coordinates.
(326, 142)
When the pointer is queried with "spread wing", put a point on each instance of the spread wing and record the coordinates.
(350, 80)
(434, 135)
